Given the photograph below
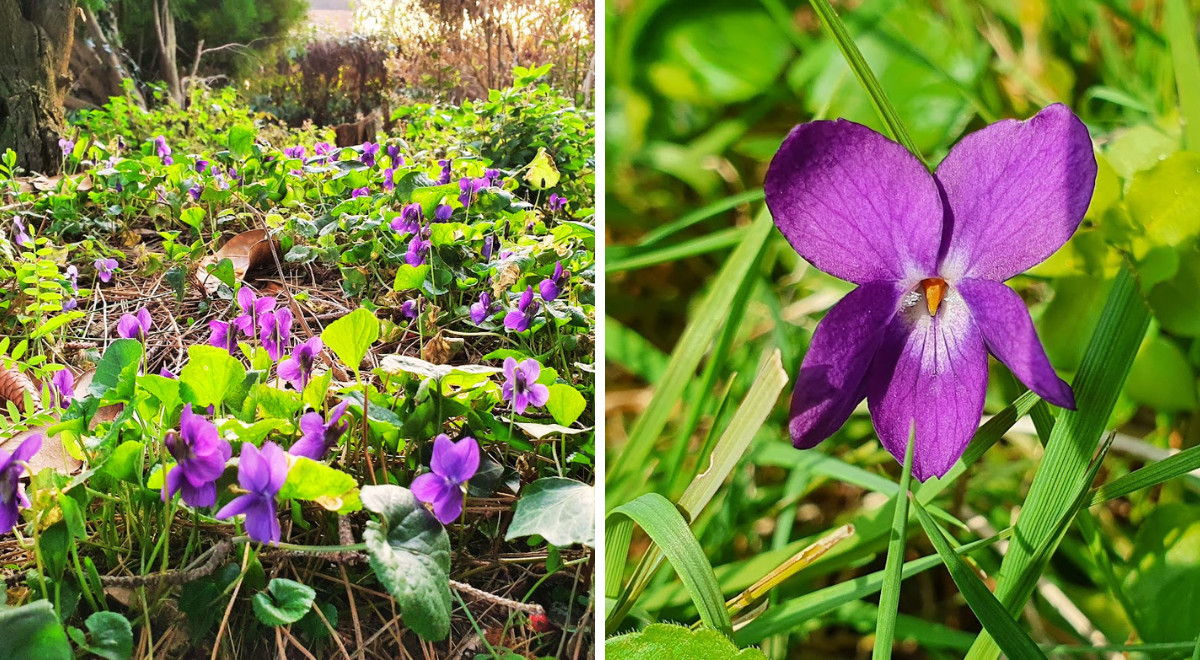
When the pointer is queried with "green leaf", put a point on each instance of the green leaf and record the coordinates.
(223, 271)
(351, 336)
(562, 511)
(274, 402)
(542, 173)
(658, 641)
(33, 631)
(411, 277)
(1160, 199)
(126, 462)
(1161, 377)
(283, 602)
(668, 530)
(309, 480)
(1181, 35)
(193, 217)
(111, 636)
(889, 597)
(1061, 478)
(1156, 473)
(565, 404)
(410, 554)
(241, 141)
(1014, 641)
(116, 374)
(1163, 586)
(210, 374)
(166, 390)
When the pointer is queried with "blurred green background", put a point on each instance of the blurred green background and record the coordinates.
(700, 95)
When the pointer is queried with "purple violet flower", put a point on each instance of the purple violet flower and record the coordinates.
(483, 309)
(201, 165)
(66, 145)
(442, 213)
(298, 368)
(491, 174)
(411, 308)
(22, 239)
(275, 331)
(394, 157)
(200, 456)
(369, 150)
(195, 191)
(446, 171)
(359, 192)
(166, 373)
(417, 249)
(930, 254)
(223, 335)
(294, 152)
(73, 277)
(69, 304)
(105, 268)
(521, 386)
(12, 491)
(556, 202)
(519, 319)
(261, 473)
(254, 308)
(451, 467)
(62, 388)
(551, 288)
(489, 246)
(409, 220)
(469, 187)
(164, 152)
(389, 184)
(320, 436)
(322, 149)
(135, 327)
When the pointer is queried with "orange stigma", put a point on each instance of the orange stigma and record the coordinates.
(934, 289)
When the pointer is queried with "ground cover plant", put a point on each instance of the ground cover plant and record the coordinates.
(910, 525)
(264, 396)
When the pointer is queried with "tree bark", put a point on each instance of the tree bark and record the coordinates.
(35, 48)
(164, 31)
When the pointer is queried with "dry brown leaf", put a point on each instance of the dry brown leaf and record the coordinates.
(437, 350)
(247, 251)
(43, 183)
(52, 454)
(508, 276)
(14, 385)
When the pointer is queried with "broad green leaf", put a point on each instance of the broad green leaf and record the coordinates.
(193, 217)
(317, 482)
(663, 641)
(566, 404)
(241, 141)
(1176, 302)
(33, 631)
(1161, 377)
(166, 390)
(560, 510)
(210, 374)
(110, 636)
(1164, 584)
(1163, 201)
(411, 277)
(283, 602)
(274, 402)
(542, 173)
(125, 463)
(116, 374)
(351, 336)
(410, 554)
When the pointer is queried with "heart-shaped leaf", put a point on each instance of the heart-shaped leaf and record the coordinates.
(283, 601)
(562, 511)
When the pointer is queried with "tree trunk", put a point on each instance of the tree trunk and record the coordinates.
(164, 31)
(35, 48)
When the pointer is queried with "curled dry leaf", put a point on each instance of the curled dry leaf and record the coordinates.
(509, 273)
(246, 251)
(14, 385)
(439, 350)
(53, 454)
(43, 183)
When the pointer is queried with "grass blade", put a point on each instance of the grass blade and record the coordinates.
(700, 215)
(708, 320)
(889, 598)
(665, 526)
(645, 258)
(1013, 640)
(858, 64)
(1181, 34)
(1151, 475)
(1061, 479)
(760, 400)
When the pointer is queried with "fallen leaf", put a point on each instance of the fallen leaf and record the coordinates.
(247, 251)
(52, 454)
(43, 183)
(437, 350)
(508, 276)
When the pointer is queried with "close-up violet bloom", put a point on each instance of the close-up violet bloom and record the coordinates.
(369, 151)
(319, 435)
(389, 182)
(195, 192)
(408, 222)
(253, 308)
(66, 145)
(556, 202)
(447, 172)
(411, 308)
(451, 467)
(294, 152)
(73, 278)
(223, 335)
(135, 327)
(521, 386)
(261, 472)
(417, 249)
(62, 388)
(442, 213)
(298, 368)
(164, 151)
(930, 254)
(394, 157)
(105, 268)
(200, 455)
(359, 192)
(484, 308)
(489, 246)
(552, 287)
(201, 165)
(12, 491)
(519, 319)
(469, 188)
(275, 331)
(322, 149)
